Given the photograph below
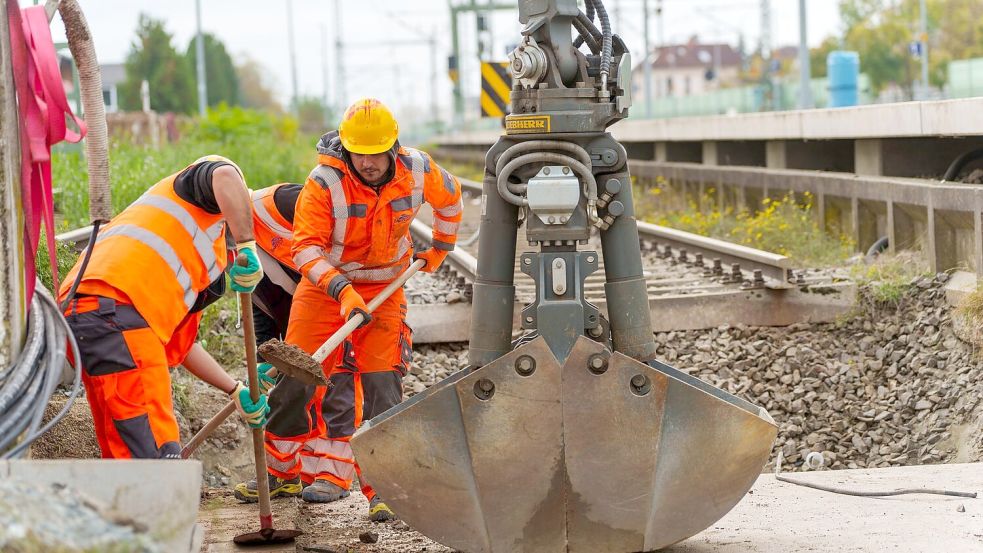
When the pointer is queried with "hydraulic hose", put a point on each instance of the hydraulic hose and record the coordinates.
(538, 146)
(960, 162)
(547, 157)
(584, 28)
(606, 39)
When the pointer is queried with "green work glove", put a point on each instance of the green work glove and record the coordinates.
(246, 277)
(266, 381)
(253, 413)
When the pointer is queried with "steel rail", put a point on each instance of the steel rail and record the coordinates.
(775, 269)
(463, 263)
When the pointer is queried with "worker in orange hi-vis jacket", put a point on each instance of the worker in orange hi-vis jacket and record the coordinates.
(153, 269)
(350, 239)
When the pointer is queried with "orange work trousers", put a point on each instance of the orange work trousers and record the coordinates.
(310, 427)
(126, 377)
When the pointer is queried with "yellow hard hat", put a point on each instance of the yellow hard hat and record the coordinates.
(368, 127)
(216, 157)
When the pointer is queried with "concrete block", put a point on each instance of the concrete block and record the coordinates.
(960, 285)
(952, 117)
(775, 154)
(868, 157)
(162, 495)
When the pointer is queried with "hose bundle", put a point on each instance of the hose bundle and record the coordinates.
(28, 384)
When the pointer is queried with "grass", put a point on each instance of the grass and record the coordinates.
(786, 225)
(269, 150)
(464, 170)
(888, 279)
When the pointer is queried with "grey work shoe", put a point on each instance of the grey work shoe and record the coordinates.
(322, 491)
(379, 511)
(247, 492)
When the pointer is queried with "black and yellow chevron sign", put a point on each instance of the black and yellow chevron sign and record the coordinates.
(496, 86)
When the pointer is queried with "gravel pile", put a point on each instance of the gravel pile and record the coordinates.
(431, 364)
(890, 386)
(441, 287)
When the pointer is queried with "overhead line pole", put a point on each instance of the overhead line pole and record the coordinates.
(293, 54)
(200, 63)
(805, 71)
(339, 81)
(647, 68)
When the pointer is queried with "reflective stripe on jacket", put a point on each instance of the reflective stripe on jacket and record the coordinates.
(345, 231)
(159, 253)
(273, 232)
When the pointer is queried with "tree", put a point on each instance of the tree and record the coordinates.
(221, 80)
(314, 116)
(817, 56)
(153, 58)
(255, 89)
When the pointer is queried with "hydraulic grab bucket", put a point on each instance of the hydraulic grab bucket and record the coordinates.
(572, 439)
(602, 453)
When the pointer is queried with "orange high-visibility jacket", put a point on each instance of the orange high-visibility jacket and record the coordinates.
(158, 255)
(345, 232)
(273, 232)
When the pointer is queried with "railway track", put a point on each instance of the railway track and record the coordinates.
(694, 282)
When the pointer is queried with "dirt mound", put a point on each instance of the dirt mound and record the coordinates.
(73, 437)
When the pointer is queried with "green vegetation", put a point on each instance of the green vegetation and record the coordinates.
(786, 226)
(268, 148)
(886, 280)
(881, 30)
(221, 81)
(153, 58)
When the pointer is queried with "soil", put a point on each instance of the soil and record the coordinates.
(328, 527)
(293, 361)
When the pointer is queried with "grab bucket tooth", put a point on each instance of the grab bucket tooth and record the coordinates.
(602, 453)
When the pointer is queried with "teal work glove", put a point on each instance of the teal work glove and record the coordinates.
(246, 277)
(253, 413)
(266, 381)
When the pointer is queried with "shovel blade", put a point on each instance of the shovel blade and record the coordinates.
(602, 453)
(293, 362)
(266, 536)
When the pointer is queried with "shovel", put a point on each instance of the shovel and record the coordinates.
(296, 363)
(288, 358)
(266, 534)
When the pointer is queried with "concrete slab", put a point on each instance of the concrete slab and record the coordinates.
(780, 517)
(960, 284)
(162, 495)
(960, 117)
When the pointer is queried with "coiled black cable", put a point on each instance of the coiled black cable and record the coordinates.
(27, 386)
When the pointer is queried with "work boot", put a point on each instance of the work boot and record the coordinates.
(379, 511)
(247, 491)
(322, 491)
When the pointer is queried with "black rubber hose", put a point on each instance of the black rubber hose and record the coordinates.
(586, 34)
(586, 23)
(63, 336)
(85, 263)
(957, 165)
(602, 15)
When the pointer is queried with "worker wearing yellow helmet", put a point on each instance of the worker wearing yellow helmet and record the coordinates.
(351, 239)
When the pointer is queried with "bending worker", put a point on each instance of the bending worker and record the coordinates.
(153, 269)
(351, 238)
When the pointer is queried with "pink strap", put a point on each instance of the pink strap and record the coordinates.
(43, 108)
